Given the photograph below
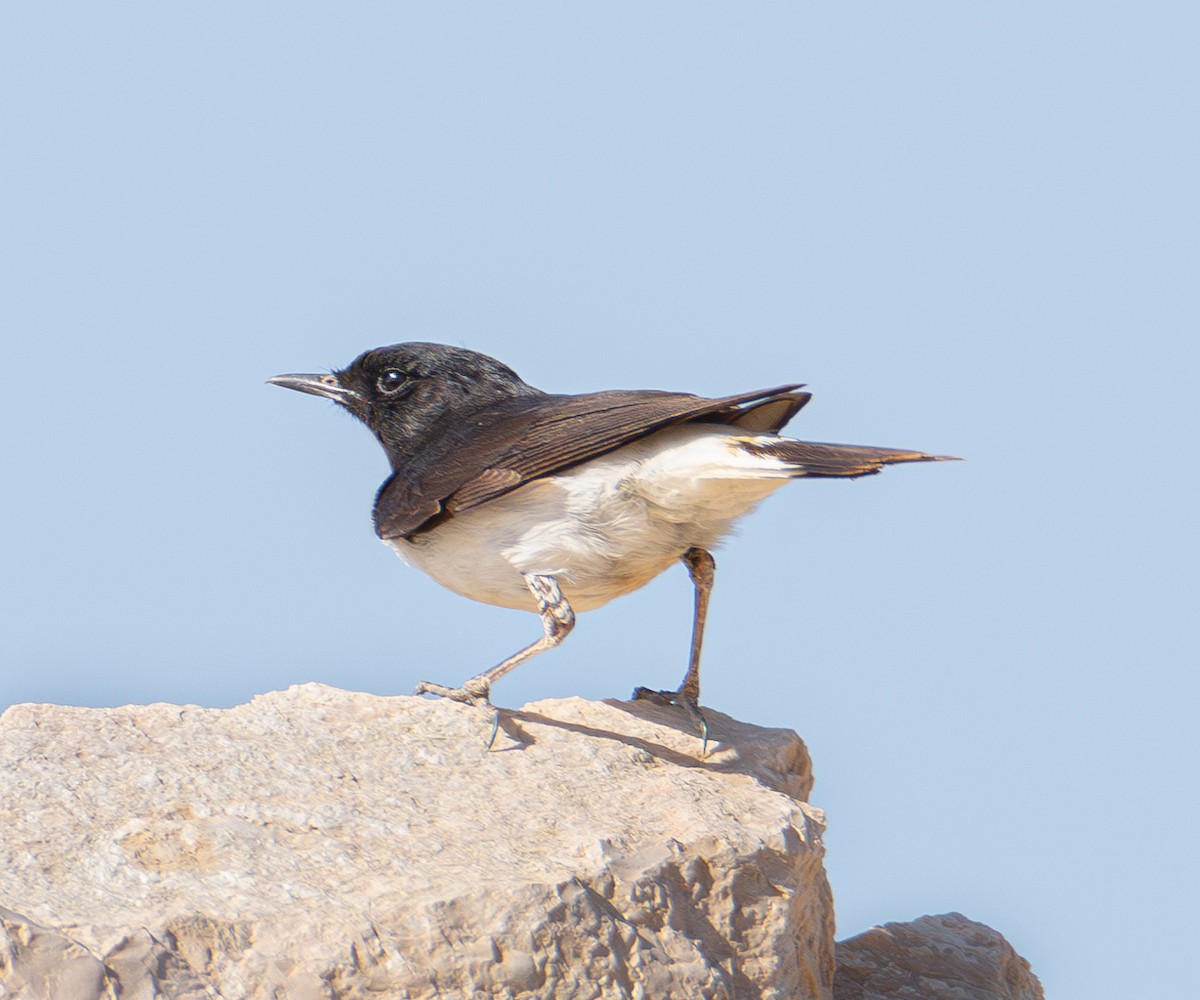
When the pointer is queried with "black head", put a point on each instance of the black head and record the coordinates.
(408, 391)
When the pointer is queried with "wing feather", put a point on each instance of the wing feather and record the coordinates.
(499, 449)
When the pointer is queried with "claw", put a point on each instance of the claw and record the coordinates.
(702, 722)
(685, 701)
(467, 696)
(495, 713)
(658, 697)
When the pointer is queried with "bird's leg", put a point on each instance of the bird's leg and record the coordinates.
(702, 569)
(557, 620)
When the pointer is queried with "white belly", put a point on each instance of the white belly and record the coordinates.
(603, 528)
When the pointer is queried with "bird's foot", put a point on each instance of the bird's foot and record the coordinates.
(468, 694)
(685, 700)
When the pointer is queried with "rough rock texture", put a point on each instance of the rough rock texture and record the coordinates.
(321, 844)
(947, 957)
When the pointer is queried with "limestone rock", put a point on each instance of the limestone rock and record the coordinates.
(319, 844)
(946, 957)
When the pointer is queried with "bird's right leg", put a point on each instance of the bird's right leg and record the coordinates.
(557, 621)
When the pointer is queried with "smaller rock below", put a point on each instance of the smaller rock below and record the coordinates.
(946, 957)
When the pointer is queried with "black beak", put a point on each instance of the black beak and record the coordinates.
(317, 385)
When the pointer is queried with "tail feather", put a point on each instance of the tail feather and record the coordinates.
(813, 458)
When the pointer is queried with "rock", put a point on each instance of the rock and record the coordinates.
(947, 957)
(321, 844)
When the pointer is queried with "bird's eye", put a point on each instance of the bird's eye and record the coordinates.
(391, 380)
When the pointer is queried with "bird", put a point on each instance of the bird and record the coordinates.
(560, 503)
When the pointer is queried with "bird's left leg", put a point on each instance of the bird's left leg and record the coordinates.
(557, 621)
(702, 569)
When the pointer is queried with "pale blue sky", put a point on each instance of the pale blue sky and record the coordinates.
(971, 228)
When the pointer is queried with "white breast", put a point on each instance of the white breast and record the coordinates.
(605, 527)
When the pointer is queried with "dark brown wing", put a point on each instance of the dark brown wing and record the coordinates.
(500, 449)
(771, 414)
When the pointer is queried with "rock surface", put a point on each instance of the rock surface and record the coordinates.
(947, 957)
(321, 844)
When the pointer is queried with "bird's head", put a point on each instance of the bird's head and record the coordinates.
(405, 391)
